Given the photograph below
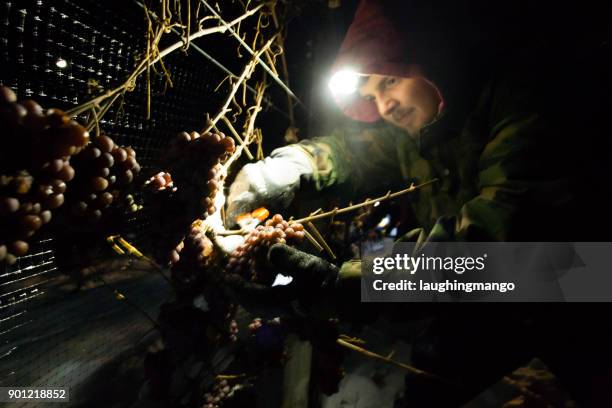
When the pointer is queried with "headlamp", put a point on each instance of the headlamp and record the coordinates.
(344, 82)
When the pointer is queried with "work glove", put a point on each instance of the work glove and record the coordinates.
(260, 300)
(310, 275)
(309, 272)
(272, 181)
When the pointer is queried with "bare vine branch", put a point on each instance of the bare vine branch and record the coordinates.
(365, 203)
(152, 58)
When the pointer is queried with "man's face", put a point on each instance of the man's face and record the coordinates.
(408, 103)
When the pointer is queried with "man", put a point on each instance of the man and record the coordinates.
(513, 127)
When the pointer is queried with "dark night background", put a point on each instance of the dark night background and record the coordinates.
(89, 341)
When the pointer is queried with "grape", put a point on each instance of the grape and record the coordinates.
(66, 173)
(32, 222)
(13, 114)
(74, 135)
(19, 248)
(32, 107)
(229, 145)
(95, 215)
(99, 184)
(57, 118)
(55, 201)
(103, 172)
(119, 154)
(181, 140)
(174, 256)
(7, 95)
(130, 162)
(105, 143)
(92, 153)
(55, 166)
(106, 160)
(26, 207)
(8, 205)
(35, 121)
(105, 199)
(45, 216)
(160, 181)
(23, 182)
(126, 177)
(213, 186)
(44, 191)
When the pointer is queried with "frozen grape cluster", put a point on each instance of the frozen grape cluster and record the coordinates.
(249, 259)
(35, 167)
(185, 191)
(103, 171)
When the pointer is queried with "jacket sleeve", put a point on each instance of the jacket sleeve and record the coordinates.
(524, 176)
(360, 160)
